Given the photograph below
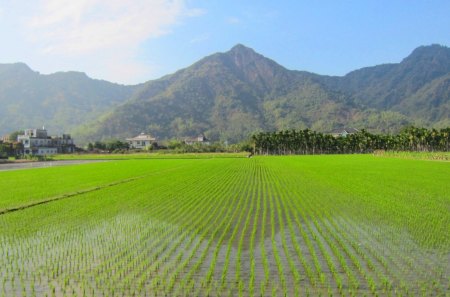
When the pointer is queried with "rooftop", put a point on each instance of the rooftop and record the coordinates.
(142, 136)
(347, 130)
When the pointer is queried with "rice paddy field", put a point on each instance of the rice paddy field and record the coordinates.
(349, 225)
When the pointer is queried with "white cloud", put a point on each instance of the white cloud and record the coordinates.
(88, 25)
(233, 20)
(76, 28)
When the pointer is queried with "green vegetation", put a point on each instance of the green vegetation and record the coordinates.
(110, 146)
(292, 142)
(10, 149)
(436, 156)
(349, 225)
(33, 186)
(61, 101)
(145, 155)
(173, 146)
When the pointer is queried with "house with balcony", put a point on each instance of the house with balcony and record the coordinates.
(142, 141)
(37, 142)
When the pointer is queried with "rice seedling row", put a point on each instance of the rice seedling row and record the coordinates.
(264, 226)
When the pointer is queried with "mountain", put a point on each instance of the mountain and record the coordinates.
(227, 96)
(388, 86)
(60, 101)
(231, 95)
(223, 95)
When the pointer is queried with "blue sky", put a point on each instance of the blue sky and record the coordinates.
(135, 41)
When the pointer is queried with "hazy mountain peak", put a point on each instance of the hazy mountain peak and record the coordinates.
(424, 64)
(429, 53)
(240, 49)
(244, 55)
(71, 75)
(20, 68)
(253, 66)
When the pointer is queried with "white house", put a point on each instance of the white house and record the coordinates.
(37, 142)
(142, 141)
(344, 132)
(201, 139)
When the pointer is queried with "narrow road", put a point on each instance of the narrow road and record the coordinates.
(29, 165)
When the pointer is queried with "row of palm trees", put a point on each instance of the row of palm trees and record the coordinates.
(306, 141)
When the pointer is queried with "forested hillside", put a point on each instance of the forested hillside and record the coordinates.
(230, 96)
(60, 101)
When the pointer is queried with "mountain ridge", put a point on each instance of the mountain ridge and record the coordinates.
(61, 100)
(241, 91)
(229, 95)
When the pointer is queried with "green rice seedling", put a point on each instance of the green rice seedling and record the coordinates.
(305, 225)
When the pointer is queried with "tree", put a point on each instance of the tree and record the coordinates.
(13, 135)
(311, 142)
(17, 148)
(5, 150)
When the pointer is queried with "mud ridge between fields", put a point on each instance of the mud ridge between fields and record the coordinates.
(81, 192)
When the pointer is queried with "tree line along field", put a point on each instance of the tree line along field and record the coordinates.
(263, 226)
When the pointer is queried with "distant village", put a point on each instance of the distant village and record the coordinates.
(37, 142)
